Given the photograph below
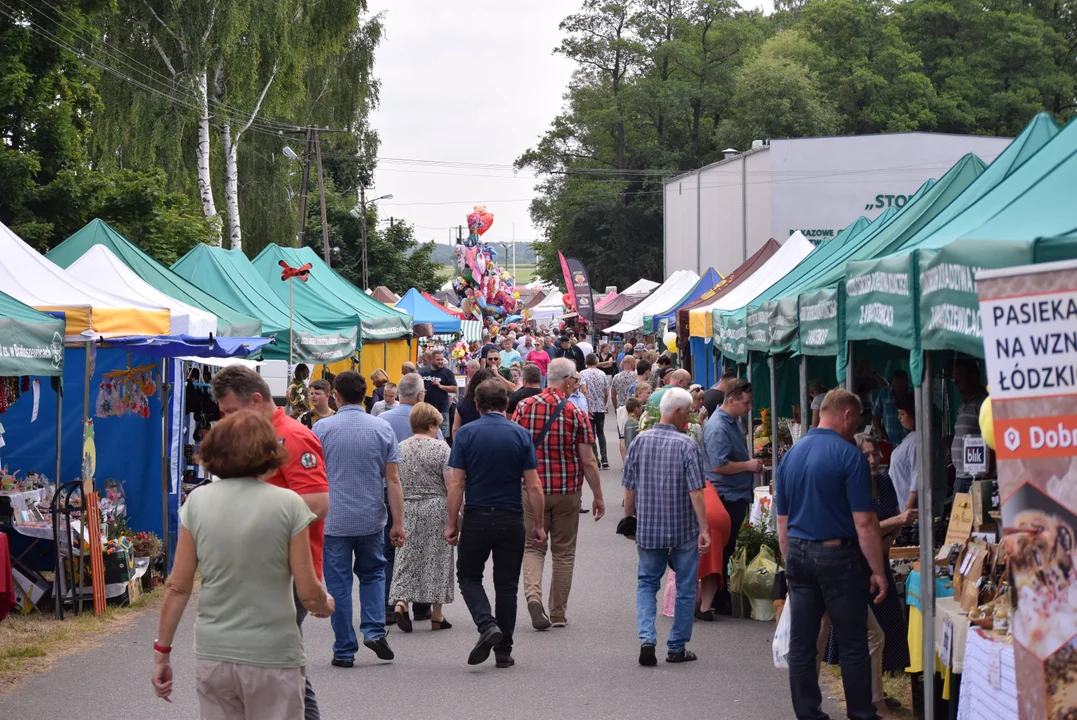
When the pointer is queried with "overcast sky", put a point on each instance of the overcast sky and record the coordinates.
(471, 81)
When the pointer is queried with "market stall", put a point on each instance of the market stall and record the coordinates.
(98, 232)
(229, 276)
(654, 318)
(672, 290)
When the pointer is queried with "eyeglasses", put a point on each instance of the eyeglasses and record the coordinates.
(493, 359)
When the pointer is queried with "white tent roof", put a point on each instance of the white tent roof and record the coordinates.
(788, 256)
(640, 287)
(673, 289)
(795, 249)
(99, 267)
(33, 280)
(551, 306)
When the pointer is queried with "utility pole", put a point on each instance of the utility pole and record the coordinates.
(362, 234)
(303, 190)
(321, 197)
(514, 252)
(459, 234)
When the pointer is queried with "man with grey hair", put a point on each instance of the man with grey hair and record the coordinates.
(562, 436)
(407, 368)
(663, 481)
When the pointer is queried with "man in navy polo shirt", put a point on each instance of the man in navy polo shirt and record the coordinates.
(832, 544)
(490, 459)
(730, 468)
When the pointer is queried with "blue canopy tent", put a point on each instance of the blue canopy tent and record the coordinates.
(424, 311)
(708, 283)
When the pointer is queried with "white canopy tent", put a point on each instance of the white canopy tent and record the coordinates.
(640, 287)
(791, 253)
(33, 280)
(99, 266)
(551, 307)
(666, 295)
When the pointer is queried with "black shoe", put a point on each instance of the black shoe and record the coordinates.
(338, 662)
(647, 657)
(685, 655)
(707, 616)
(390, 617)
(420, 614)
(504, 660)
(604, 466)
(403, 620)
(482, 648)
(381, 648)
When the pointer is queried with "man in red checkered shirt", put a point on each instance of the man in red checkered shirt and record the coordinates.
(565, 459)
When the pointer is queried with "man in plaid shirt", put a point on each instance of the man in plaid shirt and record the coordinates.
(663, 481)
(565, 459)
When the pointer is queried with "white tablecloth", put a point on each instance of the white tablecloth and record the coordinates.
(22, 500)
(988, 680)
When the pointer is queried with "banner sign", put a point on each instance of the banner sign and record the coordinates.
(1029, 320)
(581, 288)
(570, 291)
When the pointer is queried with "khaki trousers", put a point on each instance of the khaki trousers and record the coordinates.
(561, 520)
(876, 639)
(228, 691)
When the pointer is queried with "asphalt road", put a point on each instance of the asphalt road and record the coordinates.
(587, 670)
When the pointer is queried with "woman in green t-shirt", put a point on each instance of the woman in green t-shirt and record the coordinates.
(250, 539)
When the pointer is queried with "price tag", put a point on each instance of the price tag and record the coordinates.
(975, 455)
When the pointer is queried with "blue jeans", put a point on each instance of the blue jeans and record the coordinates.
(369, 567)
(835, 580)
(652, 565)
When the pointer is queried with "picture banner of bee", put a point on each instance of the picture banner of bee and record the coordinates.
(1029, 318)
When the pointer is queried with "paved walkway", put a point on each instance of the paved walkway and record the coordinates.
(587, 670)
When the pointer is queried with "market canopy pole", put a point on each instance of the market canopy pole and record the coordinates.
(288, 273)
(922, 395)
(166, 386)
(57, 593)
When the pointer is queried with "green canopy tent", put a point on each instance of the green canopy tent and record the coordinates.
(923, 296)
(31, 342)
(327, 298)
(97, 232)
(229, 275)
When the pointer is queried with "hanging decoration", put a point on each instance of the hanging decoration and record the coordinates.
(11, 389)
(487, 292)
(127, 391)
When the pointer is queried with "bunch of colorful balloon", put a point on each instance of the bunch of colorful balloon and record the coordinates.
(487, 291)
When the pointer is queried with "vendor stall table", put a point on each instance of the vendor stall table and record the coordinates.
(988, 680)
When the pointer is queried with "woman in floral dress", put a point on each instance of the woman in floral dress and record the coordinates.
(424, 565)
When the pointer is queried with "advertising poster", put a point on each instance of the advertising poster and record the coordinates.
(1029, 317)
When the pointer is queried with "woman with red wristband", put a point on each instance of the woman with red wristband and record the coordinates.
(250, 540)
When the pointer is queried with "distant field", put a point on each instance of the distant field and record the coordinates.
(524, 273)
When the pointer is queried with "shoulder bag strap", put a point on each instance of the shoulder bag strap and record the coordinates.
(549, 423)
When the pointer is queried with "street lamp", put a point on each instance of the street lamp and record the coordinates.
(290, 154)
(361, 217)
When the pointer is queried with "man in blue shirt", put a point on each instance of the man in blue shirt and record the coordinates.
(663, 481)
(491, 457)
(730, 468)
(361, 459)
(829, 534)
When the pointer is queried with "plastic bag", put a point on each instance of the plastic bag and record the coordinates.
(780, 645)
(738, 566)
(758, 584)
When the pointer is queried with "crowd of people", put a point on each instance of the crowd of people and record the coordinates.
(414, 486)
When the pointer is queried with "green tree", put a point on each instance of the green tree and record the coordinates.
(868, 70)
(48, 187)
(994, 64)
(775, 96)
